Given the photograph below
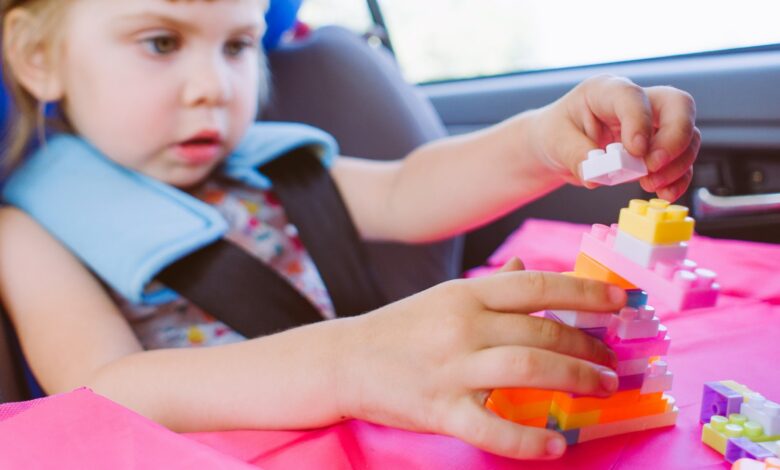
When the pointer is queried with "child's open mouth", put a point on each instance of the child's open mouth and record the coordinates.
(203, 147)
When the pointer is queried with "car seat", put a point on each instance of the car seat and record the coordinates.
(334, 80)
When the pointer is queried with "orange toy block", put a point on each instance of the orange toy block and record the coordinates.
(642, 408)
(569, 404)
(587, 267)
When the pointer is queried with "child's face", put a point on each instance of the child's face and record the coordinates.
(165, 87)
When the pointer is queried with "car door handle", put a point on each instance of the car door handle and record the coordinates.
(708, 205)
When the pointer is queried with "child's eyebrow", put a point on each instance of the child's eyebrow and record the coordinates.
(145, 18)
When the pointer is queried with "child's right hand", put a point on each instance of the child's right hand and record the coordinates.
(428, 362)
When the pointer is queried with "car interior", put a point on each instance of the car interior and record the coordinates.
(341, 82)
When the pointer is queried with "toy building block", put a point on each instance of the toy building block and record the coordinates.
(612, 167)
(638, 348)
(648, 254)
(636, 298)
(567, 421)
(642, 408)
(742, 447)
(720, 429)
(630, 382)
(771, 446)
(568, 403)
(580, 319)
(718, 399)
(632, 366)
(750, 464)
(679, 286)
(642, 423)
(762, 411)
(634, 323)
(657, 378)
(599, 333)
(529, 407)
(656, 221)
(587, 267)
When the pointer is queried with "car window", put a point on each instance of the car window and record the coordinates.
(456, 39)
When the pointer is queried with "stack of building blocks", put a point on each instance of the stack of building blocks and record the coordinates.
(613, 166)
(739, 423)
(647, 246)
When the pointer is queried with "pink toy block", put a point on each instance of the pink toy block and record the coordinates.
(612, 167)
(642, 423)
(657, 378)
(638, 348)
(647, 254)
(632, 366)
(680, 286)
(580, 319)
(634, 323)
(762, 411)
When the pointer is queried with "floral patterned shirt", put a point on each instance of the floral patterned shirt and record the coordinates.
(257, 223)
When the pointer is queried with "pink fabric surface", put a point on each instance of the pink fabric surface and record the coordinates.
(80, 429)
(737, 339)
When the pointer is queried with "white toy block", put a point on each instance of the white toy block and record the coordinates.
(771, 446)
(612, 167)
(634, 323)
(647, 254)
(762, 411)
(580, 319)
(657, 378)
(632, 366)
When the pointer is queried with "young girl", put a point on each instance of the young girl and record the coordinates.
(168, 89)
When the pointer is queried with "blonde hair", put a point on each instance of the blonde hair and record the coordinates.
(26, 113)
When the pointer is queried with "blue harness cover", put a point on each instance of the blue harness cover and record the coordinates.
(127, 227)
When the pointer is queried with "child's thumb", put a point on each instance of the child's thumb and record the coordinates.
(514, 264)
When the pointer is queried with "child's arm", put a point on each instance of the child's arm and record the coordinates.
(426, 363)
(458, 183)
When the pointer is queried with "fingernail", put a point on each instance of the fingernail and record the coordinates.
(640, 145)
(555, 447)
(617, 295)
(656, 160)
(608, 380)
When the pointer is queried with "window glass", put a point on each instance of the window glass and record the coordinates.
(453, 39)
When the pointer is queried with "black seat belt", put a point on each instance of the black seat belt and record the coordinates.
(254, 299)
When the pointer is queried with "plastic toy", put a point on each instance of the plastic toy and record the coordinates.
(613, 166)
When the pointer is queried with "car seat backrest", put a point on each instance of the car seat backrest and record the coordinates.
(335, 81)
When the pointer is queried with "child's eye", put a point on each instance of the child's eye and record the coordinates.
(235, 47)
(162, 45)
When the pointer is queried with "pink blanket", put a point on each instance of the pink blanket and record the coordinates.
(736, 340)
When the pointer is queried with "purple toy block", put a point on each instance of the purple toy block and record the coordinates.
(637, 348)
(680, 286)
(742, 447)
(599, 333)
(719, 400)
(630, 382)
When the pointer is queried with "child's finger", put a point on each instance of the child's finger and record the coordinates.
(674, 170)
(502, 329)
(514, 264)
(674, 113)
(676, 189)
(619, 101)
(531, 291)
(518, 366)
(475, 424)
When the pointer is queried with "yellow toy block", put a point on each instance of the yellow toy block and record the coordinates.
(718, 431)
(525, 406)
(568, 421)
(656, 221)
(589, 268)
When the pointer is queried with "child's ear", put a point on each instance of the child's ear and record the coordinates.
(29, 55)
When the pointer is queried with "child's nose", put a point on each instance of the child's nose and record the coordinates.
(207, 83)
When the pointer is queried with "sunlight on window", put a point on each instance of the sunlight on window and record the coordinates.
(448, 39)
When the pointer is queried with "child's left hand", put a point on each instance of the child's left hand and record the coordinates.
(655, 123)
